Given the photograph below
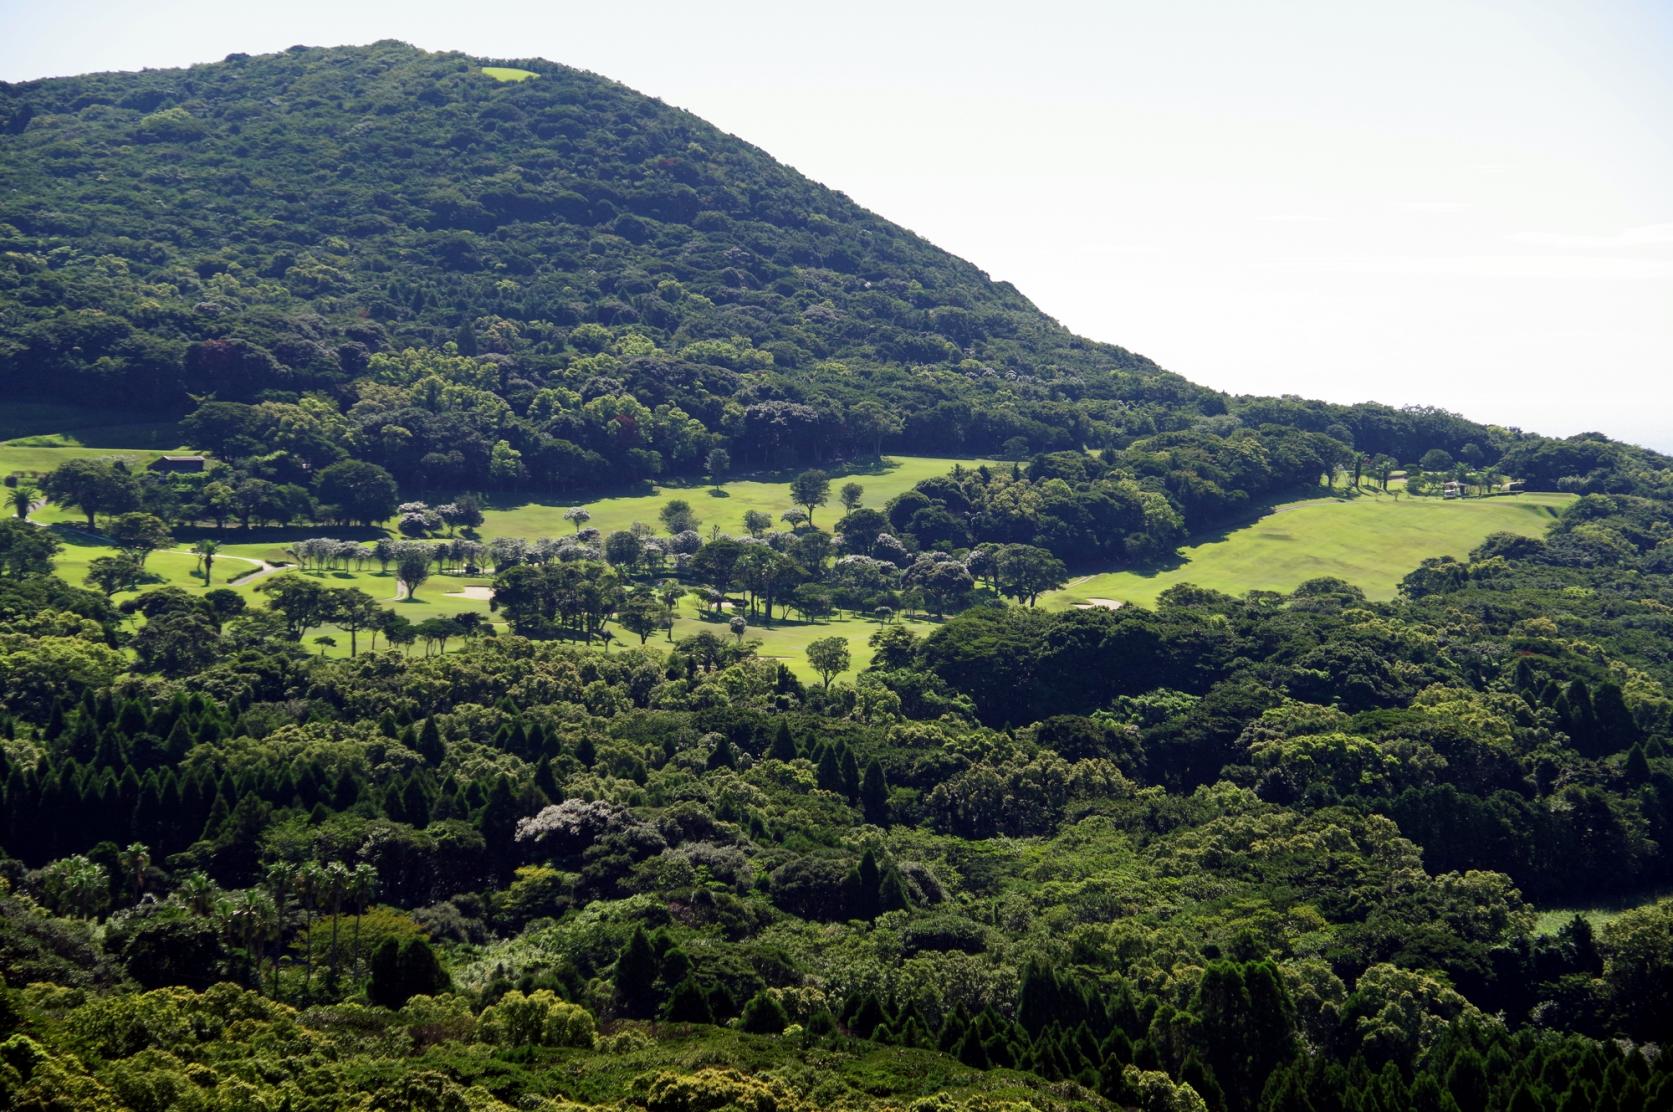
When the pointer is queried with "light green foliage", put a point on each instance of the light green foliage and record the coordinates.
(714, 1089)
(538, 1019)
(1154, 1091)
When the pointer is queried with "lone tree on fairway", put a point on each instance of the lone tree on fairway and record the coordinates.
(355, 611)
(140, 534)
(829, 657)
(577, 517)
(718, 463)
(94, 487)
(412, 568)
(24, 497)
(677, 517)
(851, 495)
(810, 489)
(205, 552)
(121, 572)
(642, 615)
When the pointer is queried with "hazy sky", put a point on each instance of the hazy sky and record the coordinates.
(1458, 203)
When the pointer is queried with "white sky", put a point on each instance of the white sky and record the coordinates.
(1438, 201)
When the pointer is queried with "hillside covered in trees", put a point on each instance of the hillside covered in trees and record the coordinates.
(1237, 852)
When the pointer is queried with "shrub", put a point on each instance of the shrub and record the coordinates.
(708, 1090)
(538, 1019)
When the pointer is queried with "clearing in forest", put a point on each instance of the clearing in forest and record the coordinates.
(1372, 541)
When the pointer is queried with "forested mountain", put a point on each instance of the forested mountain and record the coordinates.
(1252, 852)
(263, 226)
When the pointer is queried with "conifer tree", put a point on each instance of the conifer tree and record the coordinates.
(635, 977)
(783, 747)
(429, 743)
(874, 795)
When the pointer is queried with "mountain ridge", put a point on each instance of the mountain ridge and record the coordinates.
(605, 284)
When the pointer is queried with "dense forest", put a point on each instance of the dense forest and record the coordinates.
(1233, 852)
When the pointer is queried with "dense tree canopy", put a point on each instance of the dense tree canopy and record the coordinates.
(1251, 852)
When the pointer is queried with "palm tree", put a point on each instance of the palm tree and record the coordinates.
(338, 880)
(670, 593)
(205, 550)
(280, 878)
(197, 892)
(310, 884)
(134, 861)
(363, 884)
(82, 885)
(249, 918)
(25, 499)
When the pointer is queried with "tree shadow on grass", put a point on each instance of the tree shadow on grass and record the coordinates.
(77, 536)
(280, 534)
(680, 484)
(1253, 513)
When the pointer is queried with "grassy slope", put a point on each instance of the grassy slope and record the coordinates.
(510, 517)
(1551, 920)
(514, 518)
(1371, 541)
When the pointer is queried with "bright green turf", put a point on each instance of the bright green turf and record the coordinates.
(785, 641)
(1371, 541)
(29, 457)
(509, 517)
(166, 568)
(1551, 920)
(439, 596)
(507, 73)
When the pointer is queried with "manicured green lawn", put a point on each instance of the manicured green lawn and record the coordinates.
(1371, 541)
(164, 568)
(511, 517)
(786, 641)
(31, 457)
(508, 73)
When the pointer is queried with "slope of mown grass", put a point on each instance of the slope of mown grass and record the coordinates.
(1371, 541)
(512, 517)
(443, 596)
(508, 73)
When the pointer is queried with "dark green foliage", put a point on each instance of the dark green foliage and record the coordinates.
(435, 240)
(763, 1015)
(635, 977)
(1283, 848)
(400, 971)
(688, 1004)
